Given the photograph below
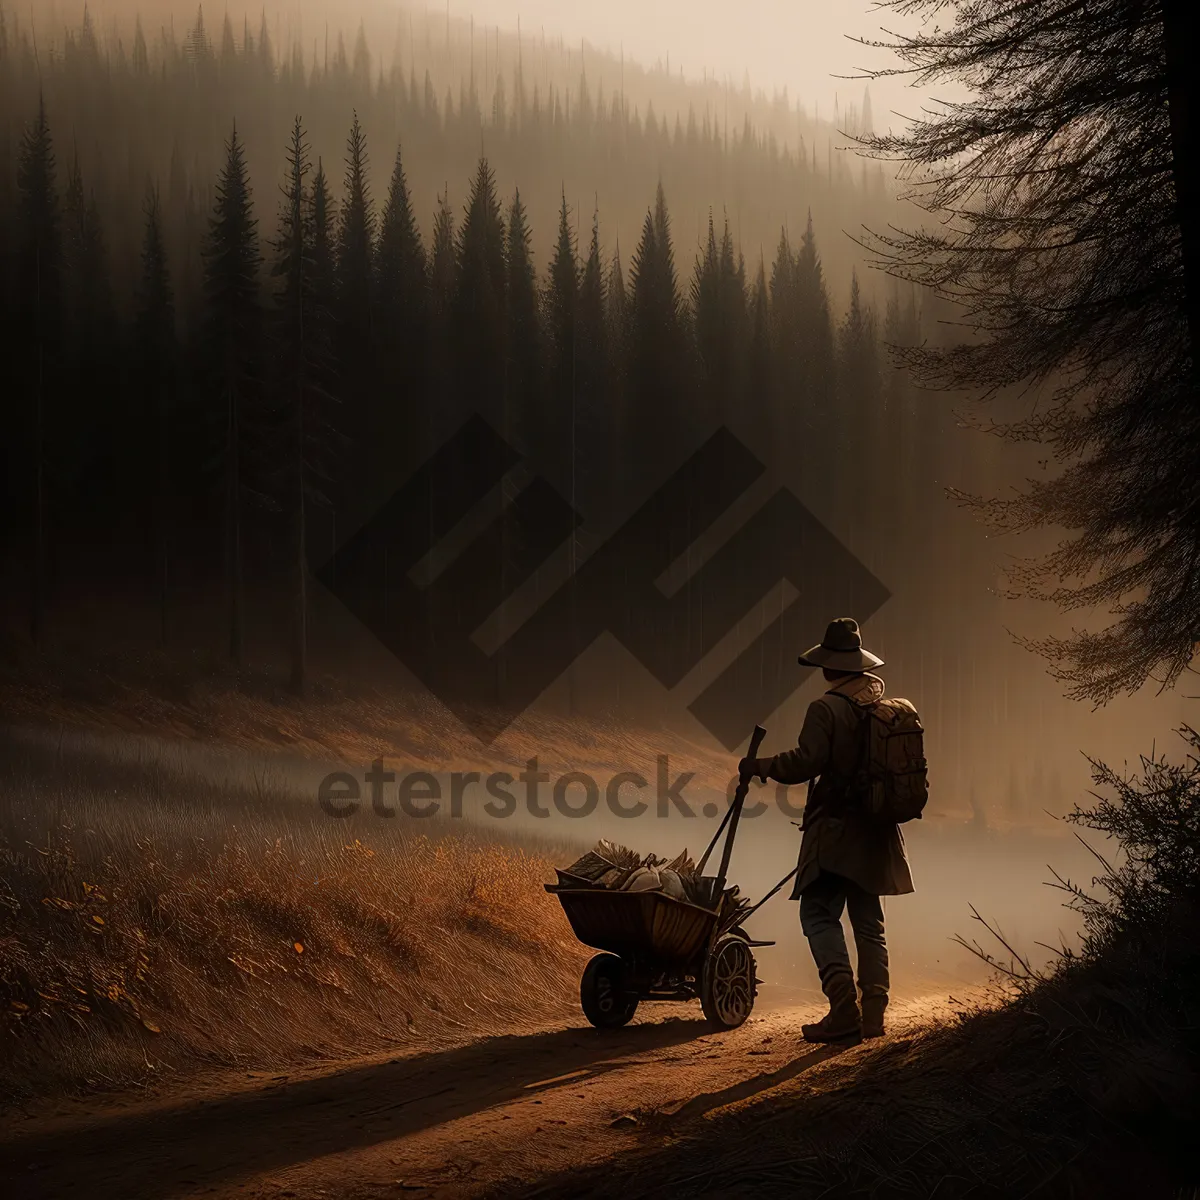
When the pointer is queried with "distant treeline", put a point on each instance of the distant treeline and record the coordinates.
(152, 100)
(328, 346)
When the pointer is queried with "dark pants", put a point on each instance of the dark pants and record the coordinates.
(821, 905)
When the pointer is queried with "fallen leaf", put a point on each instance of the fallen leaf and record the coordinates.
(17, 1006)
(150, 1025)
(299, 947)
(97, 920)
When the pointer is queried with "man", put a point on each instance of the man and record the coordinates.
(847, 858)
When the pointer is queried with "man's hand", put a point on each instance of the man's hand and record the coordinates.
(748, 768)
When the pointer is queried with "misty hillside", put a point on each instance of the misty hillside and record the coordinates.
(153, 96)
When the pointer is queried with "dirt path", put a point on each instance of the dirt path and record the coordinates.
(495, 1114)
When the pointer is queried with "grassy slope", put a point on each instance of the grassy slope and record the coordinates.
(156, 929)
(169, 925)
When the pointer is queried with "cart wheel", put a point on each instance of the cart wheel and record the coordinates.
(727, 989)
(606, 1003)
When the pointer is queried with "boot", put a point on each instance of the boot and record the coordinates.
(872, 1016)
(841, 1024)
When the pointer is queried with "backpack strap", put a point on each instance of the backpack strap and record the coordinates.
(845, 783)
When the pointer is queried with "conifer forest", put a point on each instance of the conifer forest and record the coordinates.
(271, 276)
(244, 324)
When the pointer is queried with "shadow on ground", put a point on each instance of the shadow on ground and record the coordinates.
(152, 1153)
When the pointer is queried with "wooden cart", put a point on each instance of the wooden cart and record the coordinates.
(656, 947)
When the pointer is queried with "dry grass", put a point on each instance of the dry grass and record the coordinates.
(154, 922)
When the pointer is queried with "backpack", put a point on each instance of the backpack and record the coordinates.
(891, 784)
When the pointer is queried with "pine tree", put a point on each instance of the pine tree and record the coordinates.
(733, 308)
(266, 53)
(38, 343)
(439, 385)
(141, 55)
(787, 353)
(759, 367)
(401, 289)
(156, 354)
(563, 440)
(658, 373)
(524, 382)
(811, 417)
(197, 49)
(478, 325)
(1077, 272)
(89, 47)
(814, 414)
(707, 316)
(355, 305)
(324, 287)
(229, 52)
(859, 404)
(233, 355)
(666, 254)
(362, 59)
(594, 417)
(523, 359)
(324, 261)
(556, 435)
(301, 368)
(719, 309)
(858, 360)
(356, 241)
(617, 338)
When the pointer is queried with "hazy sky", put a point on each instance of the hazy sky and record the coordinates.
(800, 43)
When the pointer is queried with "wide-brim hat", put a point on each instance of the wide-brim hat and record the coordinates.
(841, 649)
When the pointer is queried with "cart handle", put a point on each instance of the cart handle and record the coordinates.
(786, 879)
(715, 837)
(756, 739)
(735, 809)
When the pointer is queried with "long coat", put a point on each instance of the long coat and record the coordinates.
(836, 839)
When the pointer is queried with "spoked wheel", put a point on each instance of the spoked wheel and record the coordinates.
(602, 992)
(727, 988)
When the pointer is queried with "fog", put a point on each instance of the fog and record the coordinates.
(1003, 874)
(807, 47)
(811, 50)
